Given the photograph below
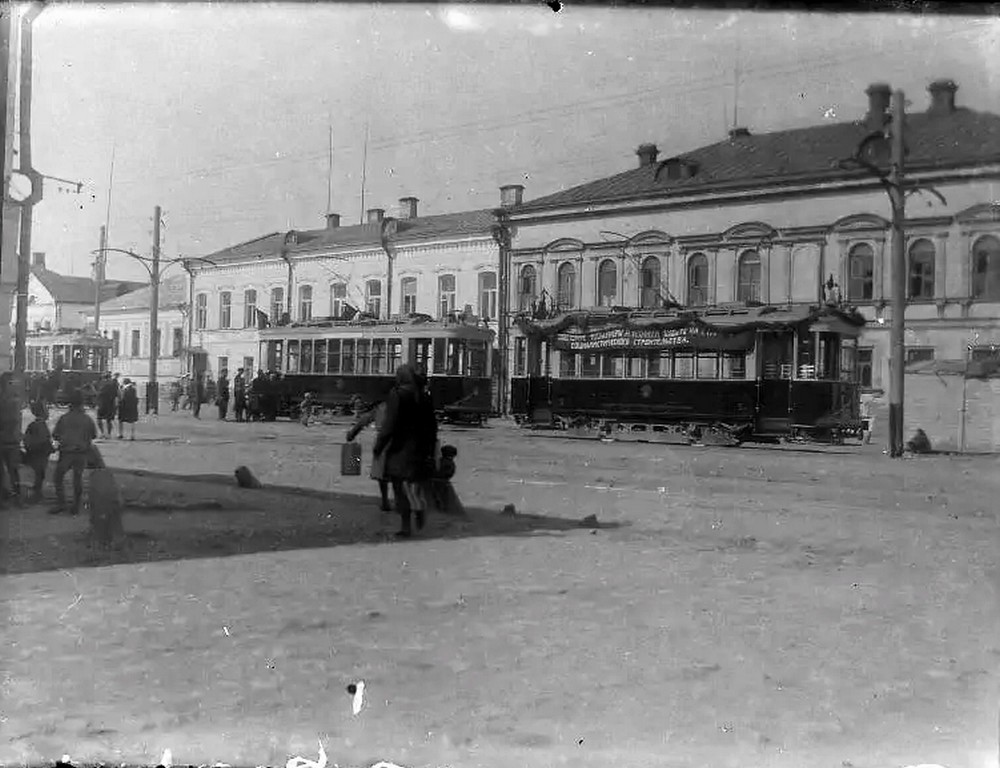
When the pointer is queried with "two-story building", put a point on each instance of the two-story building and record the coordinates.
(388, 266)
(771, 217)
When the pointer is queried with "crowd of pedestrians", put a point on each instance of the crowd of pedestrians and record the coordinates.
(249, 399)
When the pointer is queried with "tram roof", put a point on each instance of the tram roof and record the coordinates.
(725, 319)
(413, 326)
(66, 337)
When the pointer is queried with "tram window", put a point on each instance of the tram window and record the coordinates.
(273, 360)
(611, 366)
(734, 365)
(683, 365)
(319, 356)
(420, 352)
(306, 356)
(653, 365)
(79, 359)
(807, 356)
(439, 351)
(633, 367)
(293, 356)
(395, 354)
(521, 356)
(477, 359)
(453, 365)
(591, 366)
(567, 365)
(333, 356)
(364, 355)
(828, 357)
(847, 363)
(708, 365)
(776, 351)
(347, 356)
(378, 356)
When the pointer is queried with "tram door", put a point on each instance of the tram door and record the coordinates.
(774, 379)
(539, 382)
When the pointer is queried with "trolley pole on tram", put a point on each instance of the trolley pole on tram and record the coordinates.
(897, 335)
(152, 388)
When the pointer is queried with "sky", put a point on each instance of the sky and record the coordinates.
(223, 115)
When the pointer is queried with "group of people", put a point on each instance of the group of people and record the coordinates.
(404, 456)
(255, 399)
(119, 401)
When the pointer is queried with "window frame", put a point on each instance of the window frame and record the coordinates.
(980, 282)
(927, 281)
(488, 296)
(748, 289)
(526, 299)
(854, 256)
(649, 295)
(201, 311)
(447, 298)
(305, 302)
(408, 298)
(694, 262)
(566, 299)
(225, 310)
(249, 308)
(607, 271)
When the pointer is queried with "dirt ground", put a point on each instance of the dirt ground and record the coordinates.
(734, 607)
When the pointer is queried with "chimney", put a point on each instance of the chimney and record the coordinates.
(375, 215)
(647, 154)
(737, 133)
(332, 220)
(38, 259)
(879, 98)
(408, 207)
(511, 195)
(942, 97)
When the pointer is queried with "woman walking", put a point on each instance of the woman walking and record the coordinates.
(128, 410)
(107, 398)
(375, 416)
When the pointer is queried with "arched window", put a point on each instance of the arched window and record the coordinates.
(861, 273)
(305, 302)
(649, 283)
(277, 304)
(338, 297)
(201, 311)
(697, 287)
(986, 268)
(748, 277)
(446, 294)
(408, 296)
(225, 309)
(488, 295)
(607, 284)
(249, 308)
(921, 277)
(373, 297)
(566, 288)
(527, 287)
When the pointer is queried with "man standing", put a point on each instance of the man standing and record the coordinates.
(198, 392)
(75, 433)
(222, 399)
(239, 395)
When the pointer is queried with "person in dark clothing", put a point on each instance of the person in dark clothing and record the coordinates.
(240, 395)
(408, 437)
(257, 394)
(107, 400)
(222, 399)
(10, 437)
(75, 432)
(38, 447)
(128, 409)
(198, 395)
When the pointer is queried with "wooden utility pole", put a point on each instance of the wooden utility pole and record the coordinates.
(99, 279)
(897, 335)
(152, 389)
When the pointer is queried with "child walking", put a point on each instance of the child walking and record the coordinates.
(38, 447)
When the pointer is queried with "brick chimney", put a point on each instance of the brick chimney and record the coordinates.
(332, 220)
(38, 259)
(511, 195)
(647, 154)
(879, 99)
(408, 207)
(375, 215)
(942, 97)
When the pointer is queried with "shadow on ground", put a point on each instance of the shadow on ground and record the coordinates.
(174, 517)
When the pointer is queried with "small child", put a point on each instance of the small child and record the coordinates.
(306, 409)
(38, 447)
(445, 498)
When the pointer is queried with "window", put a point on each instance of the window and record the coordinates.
(734, 365)
(984, 352)
(861, 273)
(201, 311)
(373, 297)
(527, 288)
(567, 365)
(306, 356)
(607, 284)
(319, 356)
(292, 353)
(684, 365)
(363, 355)
(333, 356)
(347, 356)
(223, 363)
(177, 344)
(136, 343)
(591, 365)
(919, 354)
(378, 356)
(116, 341)
(247, 365)
(748, 278)
(921, 277)
(986, 269)
(338, 296)
(697, 280)
(277, 304)
(649, 283)
(488, 295)
(566, 286)
(225, 309)
(708, 365)
(446, 294)
(249, 308)
(612, 366)
(305, 303)
(408, 296)
(865, 367)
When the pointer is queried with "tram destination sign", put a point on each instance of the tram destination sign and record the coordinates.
(695, 337)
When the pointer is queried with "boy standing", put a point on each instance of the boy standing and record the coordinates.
(75, 432)
(38, 447)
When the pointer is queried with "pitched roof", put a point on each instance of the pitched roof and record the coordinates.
(173, 293)
(446, 225)
(70, 289)
(963, 137)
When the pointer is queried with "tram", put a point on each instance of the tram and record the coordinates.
(351, 363)
(60, 362)
(722, 375)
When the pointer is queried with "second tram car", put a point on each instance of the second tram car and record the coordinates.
(723, 375)
(345, 363)
(58, 363)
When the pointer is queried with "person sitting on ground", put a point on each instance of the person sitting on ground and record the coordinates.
(376, 416)
(128, 409)
(75, 433)
(38, 447)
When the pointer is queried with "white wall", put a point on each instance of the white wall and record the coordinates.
(136, 367)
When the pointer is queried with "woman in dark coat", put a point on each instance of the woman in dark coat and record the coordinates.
(408, 437)
(128, 409)
(107, 399)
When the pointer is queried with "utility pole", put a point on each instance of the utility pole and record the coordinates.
(897, 337)
(152, 389)
(99, 279)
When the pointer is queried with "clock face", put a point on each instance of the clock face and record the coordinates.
(19, 189)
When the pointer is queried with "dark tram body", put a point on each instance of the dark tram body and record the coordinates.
(351, 364)
(723, 375)
(59, 363)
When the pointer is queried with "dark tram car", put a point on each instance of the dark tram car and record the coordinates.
(350, 364)
(722, 375)
(59, 363)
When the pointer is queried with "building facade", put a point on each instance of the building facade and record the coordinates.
(773, 219)
(387, 267)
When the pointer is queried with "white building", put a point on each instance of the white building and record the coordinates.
(388, 266)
